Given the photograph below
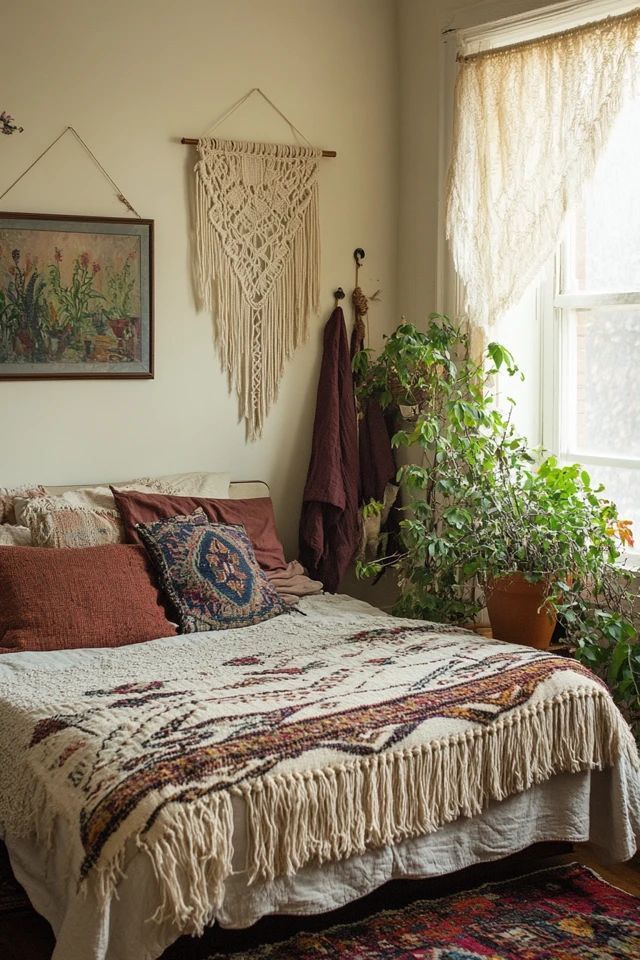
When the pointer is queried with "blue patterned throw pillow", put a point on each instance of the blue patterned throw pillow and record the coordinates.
(209, 573)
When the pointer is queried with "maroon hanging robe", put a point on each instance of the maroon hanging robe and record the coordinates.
(329, 528)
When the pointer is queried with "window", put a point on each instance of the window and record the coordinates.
(592, 342)
(576, 332)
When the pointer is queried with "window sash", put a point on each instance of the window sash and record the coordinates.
(565, 446)
(590, 301)
(595, 460)
(556, 378)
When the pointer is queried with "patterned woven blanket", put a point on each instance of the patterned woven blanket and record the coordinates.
(339, 736)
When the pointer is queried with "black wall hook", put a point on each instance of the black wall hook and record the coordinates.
(339, 294)
(358, 255)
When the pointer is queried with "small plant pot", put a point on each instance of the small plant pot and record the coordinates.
(517, 611)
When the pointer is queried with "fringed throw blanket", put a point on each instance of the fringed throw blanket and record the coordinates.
(339, 736)
(258, 259)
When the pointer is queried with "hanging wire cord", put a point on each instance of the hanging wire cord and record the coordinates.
(234, 106)
(120, 195)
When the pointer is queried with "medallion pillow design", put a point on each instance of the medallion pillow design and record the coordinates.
(210, 573)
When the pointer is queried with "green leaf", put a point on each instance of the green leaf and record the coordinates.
(400, 439)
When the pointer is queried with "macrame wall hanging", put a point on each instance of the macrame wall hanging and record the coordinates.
(258, 256)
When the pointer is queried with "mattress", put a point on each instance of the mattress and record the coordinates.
(600, 806)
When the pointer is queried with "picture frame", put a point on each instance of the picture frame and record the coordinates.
(76, 297)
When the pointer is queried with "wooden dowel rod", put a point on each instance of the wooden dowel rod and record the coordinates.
(194, 142)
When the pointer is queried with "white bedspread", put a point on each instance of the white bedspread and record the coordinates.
(601, 807)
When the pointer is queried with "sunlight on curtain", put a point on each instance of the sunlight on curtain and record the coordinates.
(530, 122)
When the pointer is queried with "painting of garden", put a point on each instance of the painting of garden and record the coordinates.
(71, 301)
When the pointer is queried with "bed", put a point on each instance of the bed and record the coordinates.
(291, 767)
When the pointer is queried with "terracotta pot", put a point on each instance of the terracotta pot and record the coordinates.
(516, 614)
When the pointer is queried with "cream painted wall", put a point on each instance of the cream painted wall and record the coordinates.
(133, 76)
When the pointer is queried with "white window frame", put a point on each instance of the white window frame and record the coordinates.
(556, 356)
(556, 364)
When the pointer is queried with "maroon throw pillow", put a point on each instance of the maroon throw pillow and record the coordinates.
(78, 597)
(256, 516)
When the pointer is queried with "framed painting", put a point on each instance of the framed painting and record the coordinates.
(76, 297)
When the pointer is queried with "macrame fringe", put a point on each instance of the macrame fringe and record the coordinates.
(335, 812)
(257, 333)
(191, 849)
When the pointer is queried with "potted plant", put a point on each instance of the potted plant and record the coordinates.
(487, 520)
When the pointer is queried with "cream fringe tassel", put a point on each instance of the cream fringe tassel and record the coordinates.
(257, 334)
(337, 811)
(191, 849)
(340, 811)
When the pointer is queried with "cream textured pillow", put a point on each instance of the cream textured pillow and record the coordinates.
(12, 536)
(212, 485)
(87, 516)
(55, 523)
(93, 498)
(8, 495)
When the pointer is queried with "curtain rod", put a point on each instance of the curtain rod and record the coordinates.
(554, 36)
(193, 141)
(546, 20)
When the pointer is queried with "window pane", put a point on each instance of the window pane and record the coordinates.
(622, 486)
(603, 252)
(602, 383)
(519, 331)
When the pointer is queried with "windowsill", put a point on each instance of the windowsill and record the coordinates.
(631, 561)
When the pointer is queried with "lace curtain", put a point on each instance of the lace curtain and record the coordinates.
(530, 122)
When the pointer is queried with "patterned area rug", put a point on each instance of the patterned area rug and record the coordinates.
(564, 913)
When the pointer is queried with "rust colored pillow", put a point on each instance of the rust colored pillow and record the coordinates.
(256, 516)
(78, 597)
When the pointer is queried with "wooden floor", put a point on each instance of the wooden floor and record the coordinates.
(623, 875)
(26, 936)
